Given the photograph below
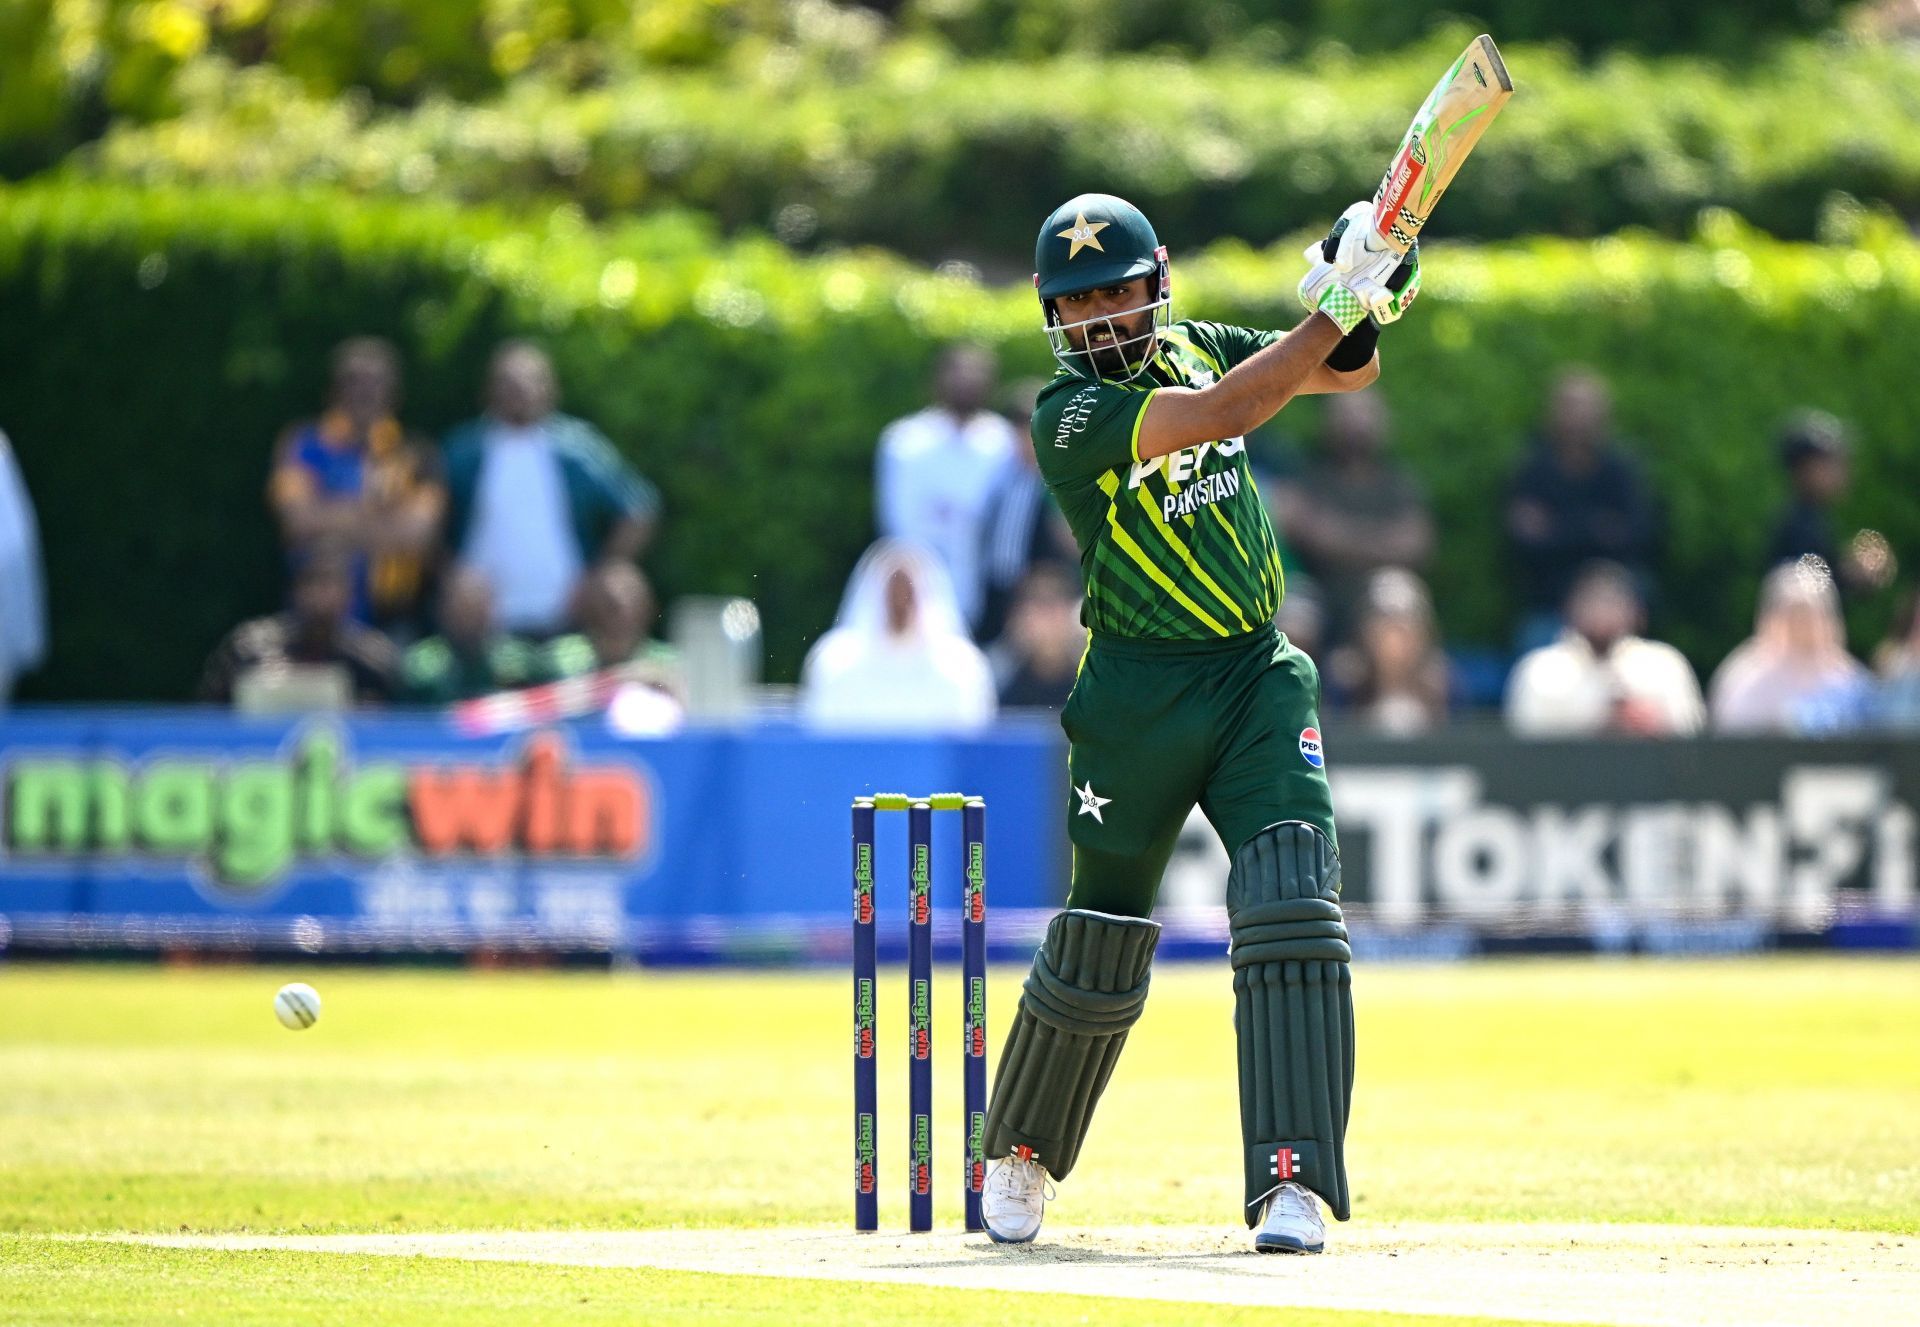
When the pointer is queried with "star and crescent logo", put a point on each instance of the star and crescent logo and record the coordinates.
(1089, 803)
(1084, 235)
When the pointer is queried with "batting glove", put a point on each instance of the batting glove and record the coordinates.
(1361, 257)
(1323, 290)
(1403, 288)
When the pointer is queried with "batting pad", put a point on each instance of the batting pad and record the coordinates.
(1293, 1012)
(1087, 987)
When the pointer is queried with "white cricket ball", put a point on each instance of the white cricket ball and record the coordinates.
(297, 1005)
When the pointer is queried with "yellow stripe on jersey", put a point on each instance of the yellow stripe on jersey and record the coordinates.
(1124, 542)
(1232, 534)
(1185, 554)
(1277, 574)
(1109, 484)
(1185, 343)
(1138, 420)
(1180, 339)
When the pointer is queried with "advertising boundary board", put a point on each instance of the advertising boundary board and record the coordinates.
(179, 830)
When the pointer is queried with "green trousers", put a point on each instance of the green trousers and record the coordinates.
(1158, 727)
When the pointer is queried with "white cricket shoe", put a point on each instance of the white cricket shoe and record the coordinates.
(1014, 1200)
(1291, 1223)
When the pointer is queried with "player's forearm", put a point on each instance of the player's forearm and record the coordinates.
(1328, 381)
(1247, 397)
(1255, 390)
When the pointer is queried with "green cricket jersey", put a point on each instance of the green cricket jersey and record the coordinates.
(1175, 548)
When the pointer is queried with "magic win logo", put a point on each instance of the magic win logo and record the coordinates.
(246, 822)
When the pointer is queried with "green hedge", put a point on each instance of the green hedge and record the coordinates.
(1044, 27)
(58, 57)
(67, 66)
(155, 341)
(62, 63)
(933, 158)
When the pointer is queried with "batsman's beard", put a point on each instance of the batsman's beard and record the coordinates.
(1133, 341)
(1130, 346)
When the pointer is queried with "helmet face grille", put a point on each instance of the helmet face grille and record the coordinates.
(1081, 361)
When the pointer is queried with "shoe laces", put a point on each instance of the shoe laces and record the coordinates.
(1017, 1177)
(1296, 1200)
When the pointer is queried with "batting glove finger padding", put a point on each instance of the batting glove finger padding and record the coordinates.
(1403, 287)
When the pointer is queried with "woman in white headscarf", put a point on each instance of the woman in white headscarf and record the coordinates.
(898, 657)
(1793, 674)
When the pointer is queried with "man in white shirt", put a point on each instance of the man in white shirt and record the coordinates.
(537, 498)
(937, 471)
(1600, 677)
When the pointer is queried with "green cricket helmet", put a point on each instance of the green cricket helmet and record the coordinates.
(1098, 240)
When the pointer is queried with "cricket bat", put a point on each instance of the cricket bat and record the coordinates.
(1444, 130)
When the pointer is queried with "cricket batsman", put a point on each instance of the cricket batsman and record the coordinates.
(1188, 695)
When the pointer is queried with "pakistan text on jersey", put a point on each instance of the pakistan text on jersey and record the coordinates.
(1181, 467)
(1204, 491)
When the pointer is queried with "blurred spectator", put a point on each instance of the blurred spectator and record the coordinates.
(1393, 675)
(316, 633)
(537, 498)
(1353, 511)
(1889, 21)
(1898, 659)
(1044, 640)
(1600, 676)
(1023, 529)
(1576, 497)
(618, 613)
(937, 471)
(898, 657)
(354, 478)
(1793, 674)
(23, 604)
(471, 656)
(1813, 450)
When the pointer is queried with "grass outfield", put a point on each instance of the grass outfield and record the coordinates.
(1776, 1092)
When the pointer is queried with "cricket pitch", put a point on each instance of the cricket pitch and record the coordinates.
(1621, 1275)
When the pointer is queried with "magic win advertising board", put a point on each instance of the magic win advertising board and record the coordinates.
(148, 830)
(144, 829)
